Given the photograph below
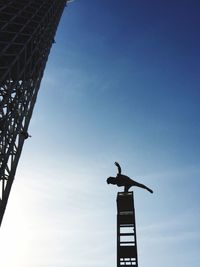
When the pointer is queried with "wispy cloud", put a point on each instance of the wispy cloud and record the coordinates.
(178, 229)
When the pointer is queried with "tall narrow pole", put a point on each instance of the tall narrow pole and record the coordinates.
(126, 230)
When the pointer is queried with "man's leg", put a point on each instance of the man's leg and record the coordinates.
(142, 186)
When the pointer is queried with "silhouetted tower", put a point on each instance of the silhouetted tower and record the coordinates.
(27, 30)
(126, 230)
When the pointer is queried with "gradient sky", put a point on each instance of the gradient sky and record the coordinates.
(122, 84)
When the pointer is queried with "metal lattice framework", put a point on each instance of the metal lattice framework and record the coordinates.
(27, 29)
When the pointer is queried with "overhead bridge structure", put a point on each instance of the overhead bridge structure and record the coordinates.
(27, 30)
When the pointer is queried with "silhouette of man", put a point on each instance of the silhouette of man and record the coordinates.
(123, 180)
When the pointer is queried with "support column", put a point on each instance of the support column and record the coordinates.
(27, 30)
(126, 230)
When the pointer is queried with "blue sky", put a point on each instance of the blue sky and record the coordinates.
(121, 84)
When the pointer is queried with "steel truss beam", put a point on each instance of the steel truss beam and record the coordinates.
(27, 29)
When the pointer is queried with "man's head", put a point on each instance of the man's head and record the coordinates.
(111, 180)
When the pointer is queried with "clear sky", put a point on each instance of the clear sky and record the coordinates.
(122, 84)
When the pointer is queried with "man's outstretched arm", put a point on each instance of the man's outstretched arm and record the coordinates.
(119, 168)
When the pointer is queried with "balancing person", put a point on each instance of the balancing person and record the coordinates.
(123, 180)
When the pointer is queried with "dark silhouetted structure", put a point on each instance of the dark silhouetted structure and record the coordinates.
(123, 180)
(126, 230)
(126, 226)
(27, 30)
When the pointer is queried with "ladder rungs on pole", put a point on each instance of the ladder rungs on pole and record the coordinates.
(126, 234)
